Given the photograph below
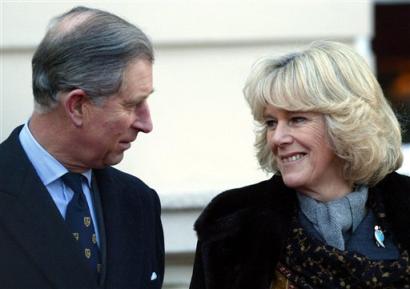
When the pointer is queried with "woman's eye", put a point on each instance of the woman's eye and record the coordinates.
(298, 119)
(270, 123)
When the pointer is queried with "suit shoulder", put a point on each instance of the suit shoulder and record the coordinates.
(127, 178)
(134, 185)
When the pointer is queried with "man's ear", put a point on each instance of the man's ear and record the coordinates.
(74, 105)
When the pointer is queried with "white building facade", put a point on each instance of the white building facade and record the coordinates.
(202, 141)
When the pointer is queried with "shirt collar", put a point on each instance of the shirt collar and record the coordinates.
(47, 167)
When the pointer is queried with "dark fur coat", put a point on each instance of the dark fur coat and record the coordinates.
(241, 233)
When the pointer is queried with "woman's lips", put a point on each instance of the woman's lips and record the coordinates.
(292, 158)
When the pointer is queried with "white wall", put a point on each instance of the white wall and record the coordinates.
(203, 138)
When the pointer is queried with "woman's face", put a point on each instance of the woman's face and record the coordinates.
(305, 159)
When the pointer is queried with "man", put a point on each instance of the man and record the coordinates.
(67, 218)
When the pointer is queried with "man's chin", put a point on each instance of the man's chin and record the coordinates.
(111, 161)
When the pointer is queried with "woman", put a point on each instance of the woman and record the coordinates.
(335, 214)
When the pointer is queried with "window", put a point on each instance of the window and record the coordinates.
(391, 46)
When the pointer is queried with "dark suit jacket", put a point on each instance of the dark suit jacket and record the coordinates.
(243, 231)
(38, 252)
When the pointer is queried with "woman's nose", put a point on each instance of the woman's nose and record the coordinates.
(282, 135)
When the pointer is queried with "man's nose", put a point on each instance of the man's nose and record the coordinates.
(143, 120)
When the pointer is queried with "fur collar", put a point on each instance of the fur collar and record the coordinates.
(394, 191)
(242, 231)
(227, 210)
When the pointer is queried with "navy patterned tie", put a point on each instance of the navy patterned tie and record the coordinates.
(79, 221)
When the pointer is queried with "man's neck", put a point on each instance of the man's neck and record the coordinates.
(51, 131)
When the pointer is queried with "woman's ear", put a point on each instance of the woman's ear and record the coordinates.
(74, 105)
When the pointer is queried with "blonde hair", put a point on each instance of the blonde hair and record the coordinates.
(331, 79)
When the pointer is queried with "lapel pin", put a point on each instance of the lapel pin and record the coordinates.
(379, 236)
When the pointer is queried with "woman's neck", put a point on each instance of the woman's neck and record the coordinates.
(328, 192)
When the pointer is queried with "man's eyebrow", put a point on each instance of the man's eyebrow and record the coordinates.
(146, 96)
(139, 99)
(151, 92)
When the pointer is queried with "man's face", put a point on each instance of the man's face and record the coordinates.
(110, 128)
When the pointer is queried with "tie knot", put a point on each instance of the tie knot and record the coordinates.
(74, 181)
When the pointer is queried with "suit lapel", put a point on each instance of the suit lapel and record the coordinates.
(123, 220)
(31, 217)
(101, 229)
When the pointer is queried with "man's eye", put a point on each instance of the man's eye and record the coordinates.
(133, 105)
(270, 123)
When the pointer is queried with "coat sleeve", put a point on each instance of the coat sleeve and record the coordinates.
(198, 276)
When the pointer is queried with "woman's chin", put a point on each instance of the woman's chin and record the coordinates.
(293, 181)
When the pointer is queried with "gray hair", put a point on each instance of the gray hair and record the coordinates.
(88, 49)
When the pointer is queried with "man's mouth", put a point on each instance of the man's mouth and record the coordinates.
(125, 144)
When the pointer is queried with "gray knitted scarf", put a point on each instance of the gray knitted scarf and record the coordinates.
(336, 220)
